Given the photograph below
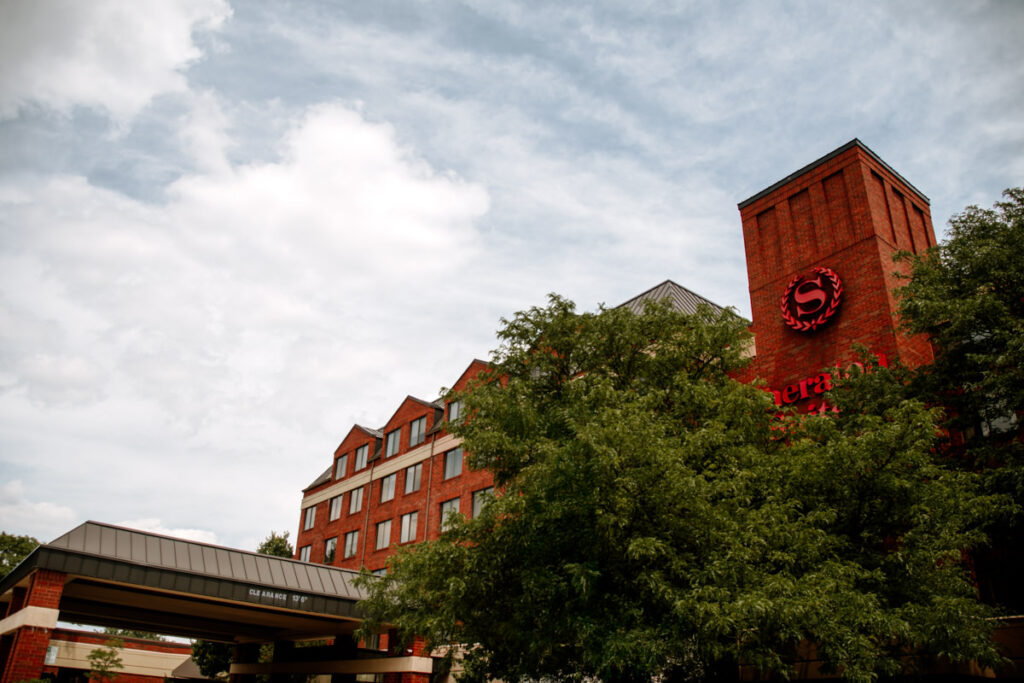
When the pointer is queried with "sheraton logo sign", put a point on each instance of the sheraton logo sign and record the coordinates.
(809, 302)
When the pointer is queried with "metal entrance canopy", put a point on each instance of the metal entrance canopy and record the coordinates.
(126, 578)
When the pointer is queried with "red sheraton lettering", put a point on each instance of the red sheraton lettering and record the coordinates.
(818, 384)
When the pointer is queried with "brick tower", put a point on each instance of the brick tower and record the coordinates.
(831, 227)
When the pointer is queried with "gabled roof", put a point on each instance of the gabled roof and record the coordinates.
(428, 404)
(681, 298)
(324, 477)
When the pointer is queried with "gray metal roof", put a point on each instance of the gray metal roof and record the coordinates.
(324, 477)
(680, 297)
(210, 561)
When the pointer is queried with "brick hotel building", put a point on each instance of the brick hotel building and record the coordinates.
(819, 247)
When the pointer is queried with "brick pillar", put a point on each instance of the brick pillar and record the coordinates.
(26, 650)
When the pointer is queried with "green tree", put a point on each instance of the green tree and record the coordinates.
(214, 658)
(657, 519)
(967, 295)
(277, 545)
(132, 633)
(105, 662)
(14, 549)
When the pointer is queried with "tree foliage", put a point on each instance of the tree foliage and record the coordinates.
(132, 633)
(967, 295)
(277, 545)
(657, 518)
(105, 662)
(14, 549)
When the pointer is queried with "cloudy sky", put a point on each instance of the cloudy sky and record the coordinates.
(228, 231)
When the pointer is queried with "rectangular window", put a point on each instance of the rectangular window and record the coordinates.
(453, 463)
(335, 509)
(412, 477)
(304, 553)
(417, 431)
(383, 534)
(393, 440)
(454, 411)
(341, 467)
(409, 523)
(480, 499)
(355, 501)
(329, 548)
(387, 487)
(351, 543)
(361, 454)
(309, 517)
(448, 509)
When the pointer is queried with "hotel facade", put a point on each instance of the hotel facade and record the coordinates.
(819, 251)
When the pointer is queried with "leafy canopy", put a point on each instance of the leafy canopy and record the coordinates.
(656, 517)
(14, 549)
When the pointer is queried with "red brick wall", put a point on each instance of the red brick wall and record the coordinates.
(426, 501)
(27, 653)
(851, 214)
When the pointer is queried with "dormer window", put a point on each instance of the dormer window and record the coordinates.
(393, 439)
(361, 454)
(454, 410)
(417, 431)
(341, 467)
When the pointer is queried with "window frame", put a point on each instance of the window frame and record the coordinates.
(417, 477)
(393, 437)
(355, 500)
(351, 544)
(362, 455)
(305, 552)
(417, 431)
(478, 502)
(409, 526)
(334, 508)
(330, 550)
(309, 517)
(385, 527)
(454, 456)
(445, 514)
(456, 406)
(387, 486)
(341, 464)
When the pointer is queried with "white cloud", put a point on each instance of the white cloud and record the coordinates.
(114, 55)
(19, 515)
(214, 332)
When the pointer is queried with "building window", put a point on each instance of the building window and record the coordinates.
(340, 467)
(383, 534)
(449, 509)
(335, 509)
(454, 411)
(387, 487)
(393, 439)
(453, 463)
(351, 543)
(304, 553)
(412, 477)
(355, 501)
(361, 454)
(480, 499)
(409, 523)
(417, 431)
(329, 548)
(309, 517)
